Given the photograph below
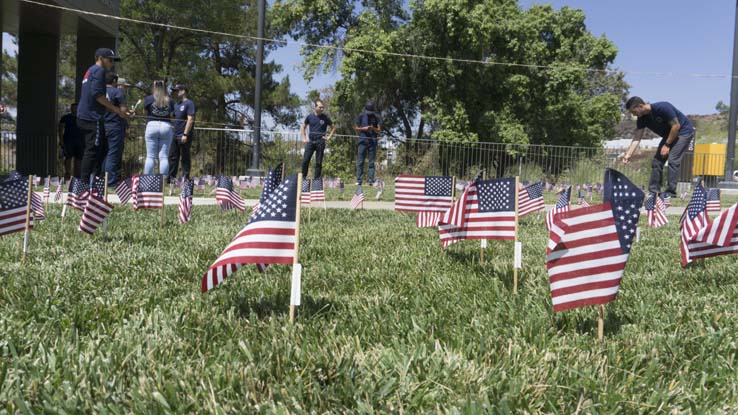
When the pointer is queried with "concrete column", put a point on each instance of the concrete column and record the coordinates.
(86, 47)
(38, 57)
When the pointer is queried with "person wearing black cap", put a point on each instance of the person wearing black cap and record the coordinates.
(318, 124)
(369, 125)
(114, 128)
(184, 127)
(91, 111)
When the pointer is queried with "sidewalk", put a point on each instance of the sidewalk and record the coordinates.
(342, 204)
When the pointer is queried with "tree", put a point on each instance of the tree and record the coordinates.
(722, 107)
(545, 79)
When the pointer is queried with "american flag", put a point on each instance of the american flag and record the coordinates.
(423, 193)
(562, 206)
(46, 192)
(59, 191)
(485, 210)
(428, 219)
(694, 218)
(185, 201)
(77, 193)
(96, 210)
(358, 199)
(380, 192)
(200, 184)
(123, 190)
(268, 238)
(147, 191)
(581, 201)
(588, 248)
(14, 206)
(713, 201)
(530, 199)
(37, 206)
(14, 175)
(719, 237)
(317, 194)
(305, 196)
(226, 197)
(655, 211)
(272, 182)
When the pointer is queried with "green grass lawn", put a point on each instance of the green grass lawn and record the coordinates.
(390, 323)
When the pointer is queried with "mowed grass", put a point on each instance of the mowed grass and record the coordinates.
(389, 323)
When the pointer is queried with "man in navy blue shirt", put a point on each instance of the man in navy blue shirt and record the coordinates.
(91, 112)
(368, 125)
(184, 128)
(676, 133)
(114, 128)
(318, 124)
(70, 142)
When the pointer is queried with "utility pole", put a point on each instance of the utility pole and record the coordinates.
(733, 118)
(254, 170)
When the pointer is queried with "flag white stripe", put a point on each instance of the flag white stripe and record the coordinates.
(568, 298)
(589, 279)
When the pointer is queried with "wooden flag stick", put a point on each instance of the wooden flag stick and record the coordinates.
(515, 267)
(26, 234)
(601, 323)
(325, 206)
(163, 205)
(298, 203)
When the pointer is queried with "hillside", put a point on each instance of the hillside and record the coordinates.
(712, 128)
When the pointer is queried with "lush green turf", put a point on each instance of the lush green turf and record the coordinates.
(390, 323)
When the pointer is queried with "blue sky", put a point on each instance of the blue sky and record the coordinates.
(681, 37)
(677, 36)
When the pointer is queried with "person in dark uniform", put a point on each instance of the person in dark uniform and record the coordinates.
(184, 128)
(368, 125)
(70, 143)
(91, 112)
(114, 128)
(676, 133)
(318, 124)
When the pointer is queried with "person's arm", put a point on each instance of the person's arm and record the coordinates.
(302, 133)
(673, 136)
(637, 136)
(188, 127)
(330, 134)
(103, 100)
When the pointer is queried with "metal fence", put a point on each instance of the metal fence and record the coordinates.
(229, 152)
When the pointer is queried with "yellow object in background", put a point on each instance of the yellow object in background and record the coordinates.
(709, 160)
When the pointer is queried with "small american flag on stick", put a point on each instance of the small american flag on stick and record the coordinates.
(14, 206)
(562, 206)
(268, 238)
(423, 193)
(358, 199)
(185, 201)
(123, 190)
(655, 211)
(713, 201)
(95, 212)
(588, 248)
(530, 199)
(147, 191)
(226, 197)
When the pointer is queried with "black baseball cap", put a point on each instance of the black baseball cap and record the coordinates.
(107, 53)
(179, 87)
(110, 77)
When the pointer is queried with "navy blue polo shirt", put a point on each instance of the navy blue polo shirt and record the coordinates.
(93, 87)
(368, 118)
(181, 111)
(72, 137)
(156, 113)
(117, 98)
(658, 120)
(318, 125)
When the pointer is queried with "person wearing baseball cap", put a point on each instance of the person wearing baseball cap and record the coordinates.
(368, 125)
(184, 127)
(91, 109)
(114, 128)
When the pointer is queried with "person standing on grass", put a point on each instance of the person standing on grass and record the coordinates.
(159, 108)
(70, 142)
(676, 133)
(368, 125)
(184, 127)
(91, 113)
(318, 124)
(114, 128)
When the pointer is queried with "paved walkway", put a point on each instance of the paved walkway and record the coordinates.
(342, 204)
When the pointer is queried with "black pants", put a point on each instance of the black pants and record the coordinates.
(317, 147)
(176, 151)
(367, 147)
(93, 138)
(675, 161)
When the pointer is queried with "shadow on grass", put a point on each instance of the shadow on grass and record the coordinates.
(279, 305)
(588, 325)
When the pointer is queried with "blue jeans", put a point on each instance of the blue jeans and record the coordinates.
(675, 161)
(116, 136)
(367, 146)
(317, 147)
(158, 139)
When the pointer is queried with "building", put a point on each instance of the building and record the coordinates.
(39, 28)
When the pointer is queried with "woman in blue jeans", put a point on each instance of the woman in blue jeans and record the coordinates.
(159, 108)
